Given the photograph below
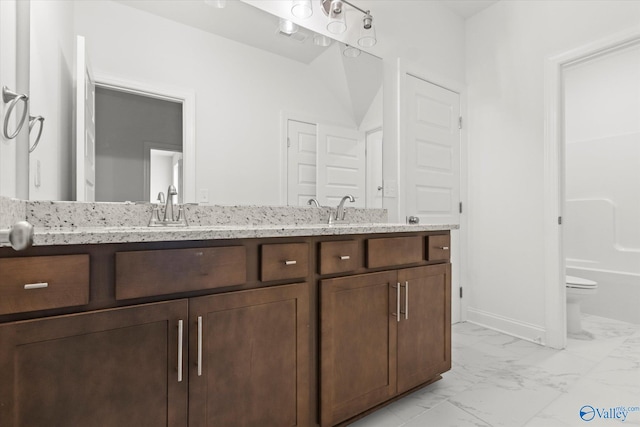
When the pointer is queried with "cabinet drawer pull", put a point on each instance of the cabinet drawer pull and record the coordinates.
(444, 248)
(345, 257)
(406, 300)
(36, 285)
(199, 346)
(290, 262)
(397, 313)
(180, 338)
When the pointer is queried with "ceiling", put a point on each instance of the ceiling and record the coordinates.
(467, 8)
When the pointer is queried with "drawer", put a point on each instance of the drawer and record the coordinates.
(339, 257)
(284, 261)
(438, 248)
(148, 273)
(392, 251)
(44, 282)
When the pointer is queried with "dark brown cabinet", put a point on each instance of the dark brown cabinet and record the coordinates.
(249, 358)
(381, 335)
(357, 344)
(114, 367)
(424, 329)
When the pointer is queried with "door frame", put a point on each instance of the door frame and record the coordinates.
(167, 93)
(462, 236)
(554, 176)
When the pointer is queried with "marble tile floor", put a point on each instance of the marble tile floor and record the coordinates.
(497, 380)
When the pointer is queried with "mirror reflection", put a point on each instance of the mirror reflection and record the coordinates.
(222, 102)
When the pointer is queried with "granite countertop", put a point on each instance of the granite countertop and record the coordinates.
(100, 235)
(79, 223)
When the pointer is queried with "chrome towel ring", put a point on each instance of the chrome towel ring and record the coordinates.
(32, 123)
(12, 98)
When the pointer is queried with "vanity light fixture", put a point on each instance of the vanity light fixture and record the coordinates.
(335, 10)
(351, 52)
(301, 8)
(288, 27)
(218, 4)
(321, 40)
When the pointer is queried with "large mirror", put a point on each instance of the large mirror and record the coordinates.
(223, 103)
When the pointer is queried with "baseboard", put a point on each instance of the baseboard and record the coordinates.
(516, 328)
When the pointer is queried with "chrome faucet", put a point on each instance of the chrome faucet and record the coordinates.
(168, 207)
(169, 218)
(340, 213)
(314, 201)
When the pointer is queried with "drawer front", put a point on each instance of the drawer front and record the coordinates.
(149, 273)
(44, 282)
(284, 261)
(339, 257)
(438, 248)
(392, 251)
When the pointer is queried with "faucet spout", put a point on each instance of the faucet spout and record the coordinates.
(340, 213)
(168, 209)
(313, 202)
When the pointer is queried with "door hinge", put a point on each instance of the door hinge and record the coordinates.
(559, 220)
(460, 291)
(460, 207)
(288, 142)
(460, 122)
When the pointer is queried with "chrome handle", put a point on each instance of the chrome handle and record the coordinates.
(199, 346)
(180, 338)
(397, 313)
(345, 257)
(444, 248)
(290, 262)
(36, 285)
(12, 98)
(406, 300)
(32, 123)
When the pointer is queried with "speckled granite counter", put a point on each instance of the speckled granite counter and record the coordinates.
(73, 223)
(97, 235)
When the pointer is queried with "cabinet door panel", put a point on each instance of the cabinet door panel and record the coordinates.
(357, 344)
(424, 332)
(255, 358)
(109, 368)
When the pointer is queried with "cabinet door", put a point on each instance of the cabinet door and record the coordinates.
(110, 368)
(424, 330)
(250, 358)
(357, 344)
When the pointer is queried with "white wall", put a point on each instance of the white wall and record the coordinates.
(602, 218)
(506, 47)
(240, 93)
(8, 36)
(51, 96)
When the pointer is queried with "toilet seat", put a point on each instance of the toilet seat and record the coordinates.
(580, 283)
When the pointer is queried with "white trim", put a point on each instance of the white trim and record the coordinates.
(555, 292)
(517, 328)
(160, 91)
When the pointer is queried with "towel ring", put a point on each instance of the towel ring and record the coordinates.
(12, 98)
(32, 123)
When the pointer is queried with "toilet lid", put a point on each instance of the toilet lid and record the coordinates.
(579, 282)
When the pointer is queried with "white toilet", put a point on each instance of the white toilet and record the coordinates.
(578, 289)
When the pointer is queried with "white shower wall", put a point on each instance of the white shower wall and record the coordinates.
(602, 218)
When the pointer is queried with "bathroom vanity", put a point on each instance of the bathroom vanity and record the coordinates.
(293, 326)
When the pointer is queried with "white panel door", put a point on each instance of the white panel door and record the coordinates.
(301, 162)
(432, 163)
(85, 150)
(341, 165)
